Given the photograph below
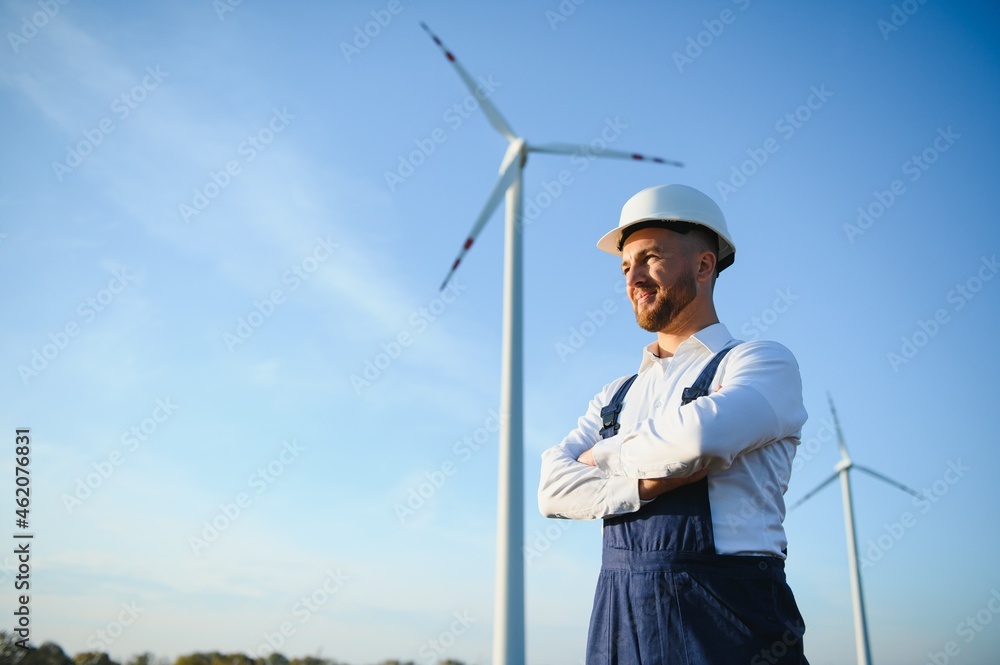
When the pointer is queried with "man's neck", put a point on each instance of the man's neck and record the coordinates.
(669, 339)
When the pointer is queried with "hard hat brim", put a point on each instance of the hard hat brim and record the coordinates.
(609, 242)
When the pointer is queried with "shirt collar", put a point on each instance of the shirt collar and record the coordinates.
(707, 341)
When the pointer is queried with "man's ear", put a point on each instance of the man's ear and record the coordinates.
(705, 269)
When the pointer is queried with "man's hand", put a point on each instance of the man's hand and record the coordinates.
(650, 488)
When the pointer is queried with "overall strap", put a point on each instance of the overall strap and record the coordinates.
(609, 414)
(701, 387)
(703, 384)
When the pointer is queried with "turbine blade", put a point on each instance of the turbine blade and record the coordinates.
(573, 149)
(889, 480)
(836, 423)
(509, 169)
(811, 494)
(492, 114)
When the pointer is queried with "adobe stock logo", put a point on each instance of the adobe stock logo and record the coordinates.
(103, 638)
(230, 511)
(914, 168)
(418, 322)
(86, 312)
(454, 116)
(30, 28)
(968, 628)
(131, 439)
(432, 650)
(381, 18)
(787, 126)
(249, 148)
(122, 106)
(959, 296)
(564, 10)
(701, 42)
(432, 481)
(899, 16)
(757, 325)
(296, 275)
(223, 7)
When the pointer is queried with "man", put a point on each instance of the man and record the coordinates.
(687, 463)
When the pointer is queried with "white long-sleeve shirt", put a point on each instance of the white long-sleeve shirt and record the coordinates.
(744, 432)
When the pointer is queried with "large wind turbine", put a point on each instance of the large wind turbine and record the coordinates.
(843, 469)
(508, 621)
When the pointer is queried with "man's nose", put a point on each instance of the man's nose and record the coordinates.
(635, 277)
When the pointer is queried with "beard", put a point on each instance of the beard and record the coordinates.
(667, 304)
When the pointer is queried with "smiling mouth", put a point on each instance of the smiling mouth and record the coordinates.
(644, 296)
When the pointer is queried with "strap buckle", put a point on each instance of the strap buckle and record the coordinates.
(692, 393)
(609, 416)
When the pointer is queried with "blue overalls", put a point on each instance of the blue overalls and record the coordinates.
(665, 596)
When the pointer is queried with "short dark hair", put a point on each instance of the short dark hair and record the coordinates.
(710, 237)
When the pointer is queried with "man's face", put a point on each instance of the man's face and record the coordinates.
(659, 277)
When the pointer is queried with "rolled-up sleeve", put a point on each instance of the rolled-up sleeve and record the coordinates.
(572, 490)
(759, 402)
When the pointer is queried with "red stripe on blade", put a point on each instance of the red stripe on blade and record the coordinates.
(637, 156)
(468, 244)
(457, 261)
(448, 55)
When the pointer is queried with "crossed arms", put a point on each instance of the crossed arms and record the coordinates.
(586, 477)
(649, 488)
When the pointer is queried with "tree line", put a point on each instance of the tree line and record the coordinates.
(50, 653)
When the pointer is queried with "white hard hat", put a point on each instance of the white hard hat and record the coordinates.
(668, 203)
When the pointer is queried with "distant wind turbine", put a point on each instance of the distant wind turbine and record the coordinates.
(843, 469)
(508, 621)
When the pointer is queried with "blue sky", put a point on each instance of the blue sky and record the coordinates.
(202, 245)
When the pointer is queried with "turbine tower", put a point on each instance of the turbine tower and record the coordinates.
(508, 620)
(842, 469)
